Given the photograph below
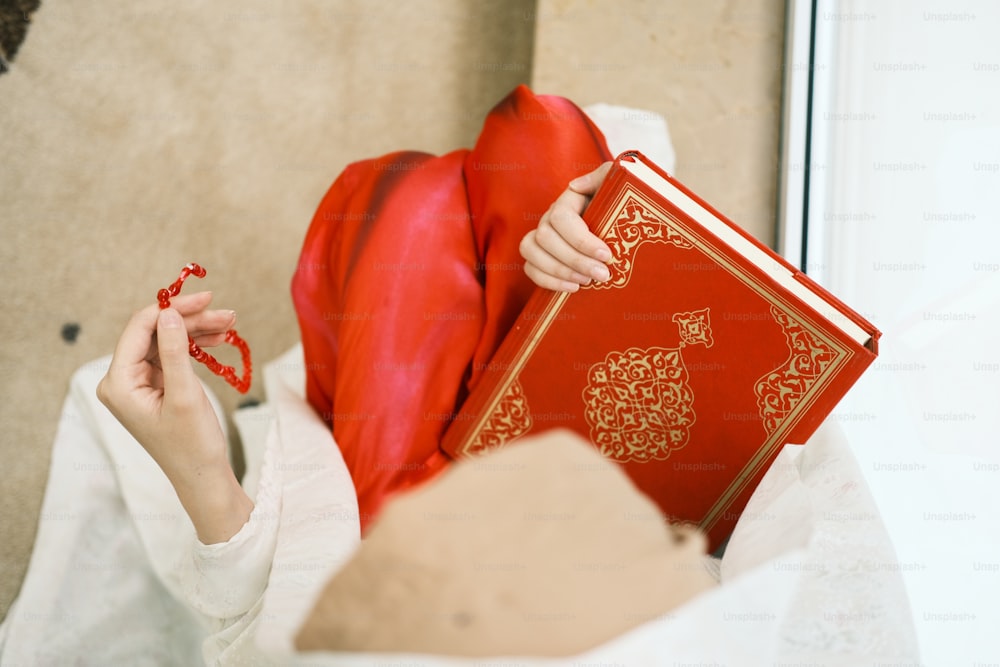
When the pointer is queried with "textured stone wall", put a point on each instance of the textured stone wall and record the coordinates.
(713, 68)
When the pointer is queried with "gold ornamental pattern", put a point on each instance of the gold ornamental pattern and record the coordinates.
(510, 420)
(638, 403)
(779, 391)
(635, 224)
(694, 327)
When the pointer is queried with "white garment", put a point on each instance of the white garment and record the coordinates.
(118, 576)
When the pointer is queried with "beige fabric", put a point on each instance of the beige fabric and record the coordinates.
(542, 548)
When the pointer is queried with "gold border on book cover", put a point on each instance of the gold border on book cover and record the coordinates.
(509, 420)
(633, 225)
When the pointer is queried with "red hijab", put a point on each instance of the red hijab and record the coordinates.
(410, 276)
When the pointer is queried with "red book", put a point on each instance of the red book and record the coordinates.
(692, 366)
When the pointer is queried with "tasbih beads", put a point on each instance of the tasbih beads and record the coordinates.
(228, 373)
(164, 295)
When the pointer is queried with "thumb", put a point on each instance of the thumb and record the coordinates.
(588, 183)
(172, 341)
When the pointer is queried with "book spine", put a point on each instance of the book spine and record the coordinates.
(833, 301)
(846, 378)
(843, 308)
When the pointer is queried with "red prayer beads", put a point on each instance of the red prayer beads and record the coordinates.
(228, 373)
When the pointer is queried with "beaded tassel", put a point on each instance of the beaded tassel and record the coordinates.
(228, 373)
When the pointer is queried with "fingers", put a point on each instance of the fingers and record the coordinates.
(565, 236)
(562, 253)
(209, 322)
(188, 304)
(546, 264)
(588, 183)
(558, 273)
(197, 319)
(564, 218)
(549, 281)
(179, 381)
(135, 342)
(210, 340)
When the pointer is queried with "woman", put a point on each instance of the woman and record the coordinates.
(405, 356)
(355, 292)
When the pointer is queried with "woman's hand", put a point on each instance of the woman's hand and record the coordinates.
(562, 253)
(151, 388)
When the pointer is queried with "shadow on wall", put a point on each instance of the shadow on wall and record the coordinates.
(15, 17)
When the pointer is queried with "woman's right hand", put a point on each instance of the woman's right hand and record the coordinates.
(562, 253)
(151, 388)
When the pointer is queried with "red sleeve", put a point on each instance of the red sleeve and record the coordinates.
(530, 148)
(390, 305)
(410, 275)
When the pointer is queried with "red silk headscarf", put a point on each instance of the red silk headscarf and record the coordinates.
(411, 275)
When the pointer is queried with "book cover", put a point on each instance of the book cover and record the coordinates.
(691, 367)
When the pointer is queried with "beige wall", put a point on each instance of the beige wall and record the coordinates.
(713, 68)
(145, 135)
(149, 134)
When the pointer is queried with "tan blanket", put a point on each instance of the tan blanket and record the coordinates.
(543, 548)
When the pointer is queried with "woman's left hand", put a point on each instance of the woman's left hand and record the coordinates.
(151, 388)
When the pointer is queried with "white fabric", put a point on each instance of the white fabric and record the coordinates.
(90, 589)
(849, 604)
(117, 568)
(627, 129)
(118, 576)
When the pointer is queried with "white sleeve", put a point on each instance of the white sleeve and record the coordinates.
(221, 581)
(224, 580)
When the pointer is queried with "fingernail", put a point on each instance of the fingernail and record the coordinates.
(579, 182)
(232, 315)
(170, 319)
(601, 273)
(603, 254)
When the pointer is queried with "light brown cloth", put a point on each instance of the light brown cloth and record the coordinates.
(542, 548)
